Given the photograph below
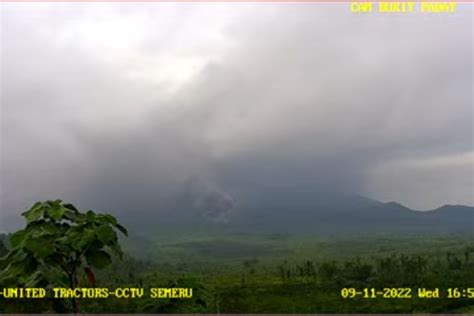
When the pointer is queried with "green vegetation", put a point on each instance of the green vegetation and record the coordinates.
(300, 274)
(58, 246)
(3, 245)
(233, 273)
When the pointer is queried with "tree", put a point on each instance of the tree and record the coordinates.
(3, 245)
(58, 245)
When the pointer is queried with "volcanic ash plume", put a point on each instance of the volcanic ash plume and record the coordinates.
(215, 206)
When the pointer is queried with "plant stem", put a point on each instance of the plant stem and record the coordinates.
(72, 286)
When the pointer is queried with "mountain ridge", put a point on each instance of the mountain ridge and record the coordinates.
(311, 213)
(349, 214)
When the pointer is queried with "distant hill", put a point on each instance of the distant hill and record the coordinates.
(341, 214)
(308, 213)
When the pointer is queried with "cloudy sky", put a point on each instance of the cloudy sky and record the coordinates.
(130, 107)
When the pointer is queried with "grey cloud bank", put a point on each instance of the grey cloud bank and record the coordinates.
(158, 108)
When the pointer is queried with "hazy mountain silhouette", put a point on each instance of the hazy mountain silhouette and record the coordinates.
(270, 211)
(340, 214)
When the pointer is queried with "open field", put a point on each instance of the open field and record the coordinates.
(286, 273)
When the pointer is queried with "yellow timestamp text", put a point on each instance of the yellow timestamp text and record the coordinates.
(407, 293)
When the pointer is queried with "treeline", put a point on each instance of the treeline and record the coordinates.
(454, 269)
(310, 287)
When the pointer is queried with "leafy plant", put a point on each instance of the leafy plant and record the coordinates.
(3, 246)
(58, 245)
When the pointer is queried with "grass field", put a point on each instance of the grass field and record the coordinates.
(275, 273)
(304, 274)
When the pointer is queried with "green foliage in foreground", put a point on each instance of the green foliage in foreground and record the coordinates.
(3, 246)
(240, 280)
(58, 246)
(277, 274)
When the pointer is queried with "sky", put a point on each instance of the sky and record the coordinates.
(147, 108)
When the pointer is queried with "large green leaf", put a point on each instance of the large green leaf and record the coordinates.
(98, 258)
(35, 206)
(71, 215)
(54, 276)
(88, 235)
(110, 219)
(116, 249)
(54, 204)
(80, 239)
(105, 233)
(122, 229)
(34, 280)
(17, 239)
(35, 212)
(50, 228)
(75, 240)
(40, 247)
(16, 255)
(71, 207)
(56, 212)
(14, 269)
(24, 267)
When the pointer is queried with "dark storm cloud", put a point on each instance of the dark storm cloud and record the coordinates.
(139, 111)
